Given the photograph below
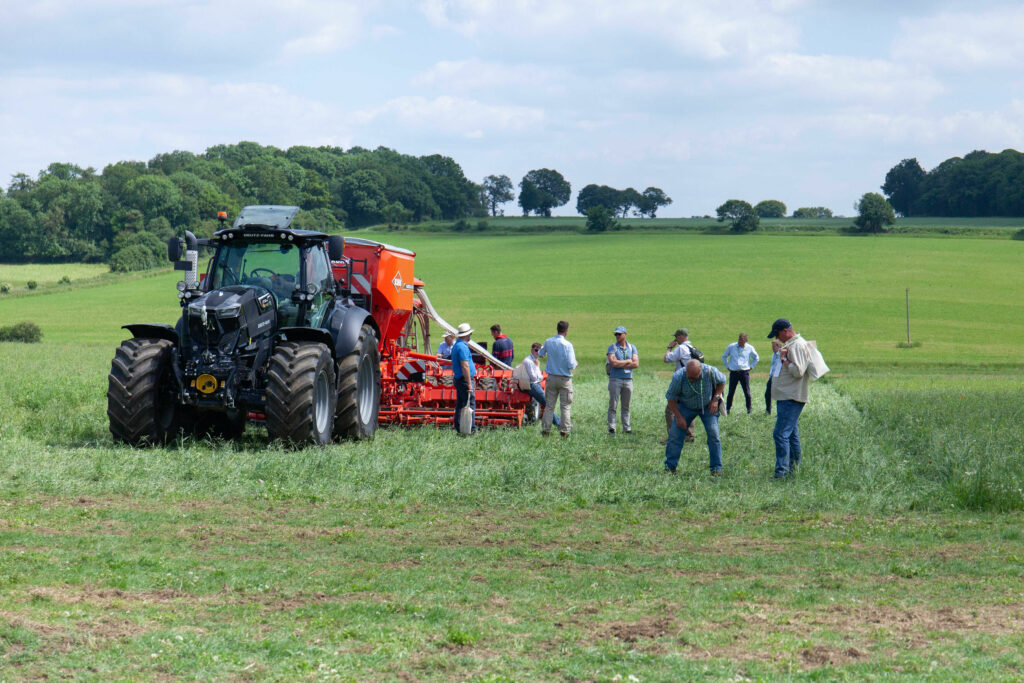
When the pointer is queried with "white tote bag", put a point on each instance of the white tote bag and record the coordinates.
(816, 368)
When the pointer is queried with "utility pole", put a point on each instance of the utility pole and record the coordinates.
(908, 316)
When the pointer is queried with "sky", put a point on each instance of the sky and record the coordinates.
(808, 102)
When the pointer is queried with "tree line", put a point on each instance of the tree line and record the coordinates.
(125, 213)
(130, 209)
(978, 185)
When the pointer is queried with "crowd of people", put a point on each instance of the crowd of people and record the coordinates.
(695, 392)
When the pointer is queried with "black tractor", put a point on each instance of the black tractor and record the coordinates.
(266, 335)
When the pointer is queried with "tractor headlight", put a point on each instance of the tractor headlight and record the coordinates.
(229, 311)
(195, 309)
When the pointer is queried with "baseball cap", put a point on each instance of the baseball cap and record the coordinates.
(620, 328)
(778, 326)
(682, 332)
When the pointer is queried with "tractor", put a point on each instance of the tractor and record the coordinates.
(267, 335)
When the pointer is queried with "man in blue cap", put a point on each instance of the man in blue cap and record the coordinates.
(790, 393)
(621, 360)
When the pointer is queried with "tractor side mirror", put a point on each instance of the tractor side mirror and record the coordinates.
(175, 249)
(336, 247)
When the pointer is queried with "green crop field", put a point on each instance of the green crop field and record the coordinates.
(897, 551)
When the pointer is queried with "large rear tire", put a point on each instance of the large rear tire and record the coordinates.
(301, 393)
(359, 389)
(142, 397)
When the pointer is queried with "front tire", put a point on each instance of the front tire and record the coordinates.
(301, 393)
(142, 399)
(359, 389)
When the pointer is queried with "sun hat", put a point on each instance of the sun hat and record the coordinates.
(464, 330)
(778, 326)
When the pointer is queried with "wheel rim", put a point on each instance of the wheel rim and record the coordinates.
(365, 391)
(321, 402)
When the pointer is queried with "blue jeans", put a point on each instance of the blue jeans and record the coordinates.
(464, 396)
(538, 395)
(677, 434)
(787, 436)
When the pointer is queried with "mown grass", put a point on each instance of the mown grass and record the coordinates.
(18, 275)
(896, 551)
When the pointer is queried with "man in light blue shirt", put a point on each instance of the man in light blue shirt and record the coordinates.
(739, 358)
(561, 361)
(773, 371)
(444, 349)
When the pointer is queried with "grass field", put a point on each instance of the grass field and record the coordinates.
(17, 277)
(896, 552)
(995, 228)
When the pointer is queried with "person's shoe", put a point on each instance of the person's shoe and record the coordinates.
(545, 433)
(716, 473)
(564, 435)
(688, 439)
(629, 431)
(611, 430)
(664, 442)
(670, 470)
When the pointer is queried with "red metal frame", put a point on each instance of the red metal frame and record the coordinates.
(428, 396)
(417, 388)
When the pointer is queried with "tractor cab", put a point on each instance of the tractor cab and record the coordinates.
(261, 251)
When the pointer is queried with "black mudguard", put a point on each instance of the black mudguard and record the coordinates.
(306, 334)
(345, 323)
(152, 331)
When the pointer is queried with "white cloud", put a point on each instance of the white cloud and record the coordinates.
(475, 74)
(193, 32)
(452, 116)
(693, 27)
(99, 121)
(965, 41)
(830, 77)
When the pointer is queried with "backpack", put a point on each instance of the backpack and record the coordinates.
(695, 353)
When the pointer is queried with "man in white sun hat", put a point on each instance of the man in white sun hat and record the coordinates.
(463, 370)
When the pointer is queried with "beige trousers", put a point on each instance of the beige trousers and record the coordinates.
(558, 388)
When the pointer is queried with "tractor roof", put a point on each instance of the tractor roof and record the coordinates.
(267, 223)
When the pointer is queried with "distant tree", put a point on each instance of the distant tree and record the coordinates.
(903, 186)
(542, 190)
(153, 195)
(62, 171)
(363, 196)
(653, 198)
(812, 212)
(20, 182)
(770, 208)
(629, 199)
(600, 219)
(597, 195)
(741, 214)
(497, 189)
(875, 213)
